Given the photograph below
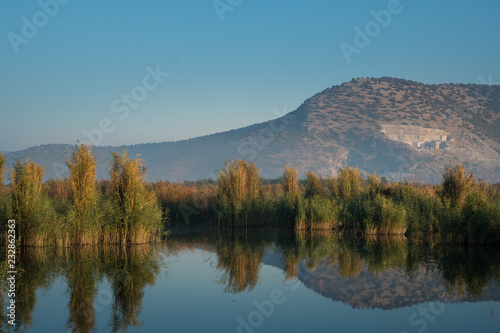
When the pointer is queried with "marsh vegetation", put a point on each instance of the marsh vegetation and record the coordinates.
(126, 210)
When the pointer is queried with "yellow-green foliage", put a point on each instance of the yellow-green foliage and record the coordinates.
(238, 185)
(456, 184)
(5, 199)
(2, 174)
(375, 215)
(84, 218)
(316, 212)
(349, 183)
(32, 212)
(290, 180)
(314, 185)
(137, 214)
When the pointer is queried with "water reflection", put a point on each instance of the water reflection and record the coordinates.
(364, 272)
(128, 270)
(371, 272)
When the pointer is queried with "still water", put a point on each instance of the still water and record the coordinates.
(259, 281)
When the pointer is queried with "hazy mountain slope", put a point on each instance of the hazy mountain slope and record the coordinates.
(373, 124)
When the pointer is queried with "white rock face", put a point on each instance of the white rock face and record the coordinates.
(416, 136)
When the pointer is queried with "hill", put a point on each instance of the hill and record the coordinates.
(397, 128)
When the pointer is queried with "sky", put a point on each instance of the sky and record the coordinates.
(127, 72)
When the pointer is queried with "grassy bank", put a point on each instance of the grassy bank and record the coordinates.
(460, 210)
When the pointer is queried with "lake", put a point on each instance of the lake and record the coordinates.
(259, 281)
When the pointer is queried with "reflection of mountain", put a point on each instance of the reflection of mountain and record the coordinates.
(383, 273)
(386, 290)
(388, 274)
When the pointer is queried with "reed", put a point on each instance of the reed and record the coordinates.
(314, 185)
(377, 214)
(290, 181)
(457, 182)
(238, 185)
(137, 215)
(349, 183)
(2, 171)
(33, 214)
(187, 202)
(84, 216)
(316, 212)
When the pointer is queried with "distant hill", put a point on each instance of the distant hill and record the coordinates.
(397, 128)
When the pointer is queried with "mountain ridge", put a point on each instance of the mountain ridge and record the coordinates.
(395, 127)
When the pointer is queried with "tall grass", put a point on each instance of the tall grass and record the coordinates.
(187, 202)
(316, 212)
(456, 184)
(375, 215)
(349, 183)
(84, 216)
(33, 214)
(126, 209)
(2, 171)
(290, 181)
(136, 216)
(238, 187)
(314, 185)
(5, 200)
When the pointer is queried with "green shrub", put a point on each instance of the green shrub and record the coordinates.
(316, 212)
(375, 215)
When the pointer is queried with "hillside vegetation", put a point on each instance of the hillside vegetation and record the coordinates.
(340, 127)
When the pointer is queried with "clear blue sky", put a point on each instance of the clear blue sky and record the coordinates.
(224, 74)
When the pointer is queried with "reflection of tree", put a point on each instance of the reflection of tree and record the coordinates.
(240, 259)
(349, 264)
(465, 270)
(383, 252)
(468, 271)
(36, 268)
(130, 270)
(82, 278)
